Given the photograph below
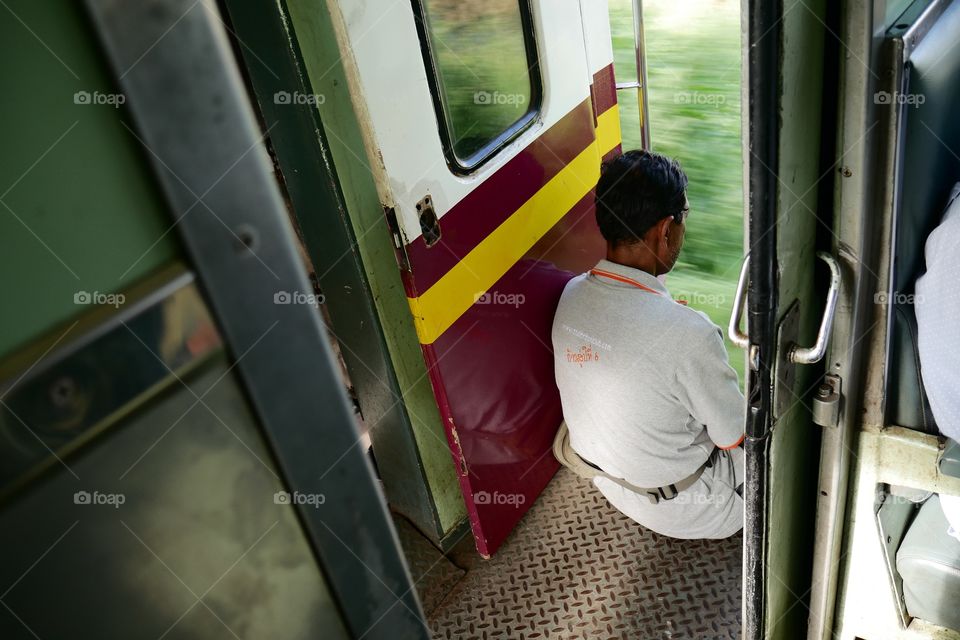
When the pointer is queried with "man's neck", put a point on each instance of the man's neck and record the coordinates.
(637, 256)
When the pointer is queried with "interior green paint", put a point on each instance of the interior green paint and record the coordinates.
(78, 207)
(313, 27)
(794, 446)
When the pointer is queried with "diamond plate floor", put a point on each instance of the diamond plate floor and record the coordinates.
(576, 568)
(434, 574)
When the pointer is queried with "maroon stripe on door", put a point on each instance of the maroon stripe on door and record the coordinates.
(494, 200)
(492, 375)
(604, 89)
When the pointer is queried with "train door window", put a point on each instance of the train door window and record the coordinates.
(484, 74)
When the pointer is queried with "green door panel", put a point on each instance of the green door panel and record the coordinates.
(312, 24)
(794, 445)
(78, 208)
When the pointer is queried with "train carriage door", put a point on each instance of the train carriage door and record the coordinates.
(485, 124)
(788, 171)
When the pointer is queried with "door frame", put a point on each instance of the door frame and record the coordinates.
(763, 26)
(244, 251)
(789, 152)
(302, 150)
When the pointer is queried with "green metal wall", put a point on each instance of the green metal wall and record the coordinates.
(312, 24)
(80, 212)
(78, 208)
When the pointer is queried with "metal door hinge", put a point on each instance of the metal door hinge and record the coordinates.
(396, 238)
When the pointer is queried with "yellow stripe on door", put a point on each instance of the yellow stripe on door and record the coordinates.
(450, 297)
(608, 129)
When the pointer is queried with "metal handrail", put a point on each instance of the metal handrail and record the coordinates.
(738, 337)
(798, 354)
(810, 355)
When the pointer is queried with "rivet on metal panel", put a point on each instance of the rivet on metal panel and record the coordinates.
(248, 239)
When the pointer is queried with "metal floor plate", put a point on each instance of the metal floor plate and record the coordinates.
(577, 568)
(433, 573)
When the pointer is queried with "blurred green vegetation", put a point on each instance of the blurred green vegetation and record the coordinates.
(693, 77)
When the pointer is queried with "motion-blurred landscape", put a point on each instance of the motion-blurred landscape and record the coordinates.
(693, 77)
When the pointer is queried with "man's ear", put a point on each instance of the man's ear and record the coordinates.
(663, 231)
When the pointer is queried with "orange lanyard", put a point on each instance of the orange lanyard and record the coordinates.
(624, 279)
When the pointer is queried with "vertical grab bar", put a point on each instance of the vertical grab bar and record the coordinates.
(640, 83)
(640, 47)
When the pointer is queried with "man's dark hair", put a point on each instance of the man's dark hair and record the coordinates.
(636, 190)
